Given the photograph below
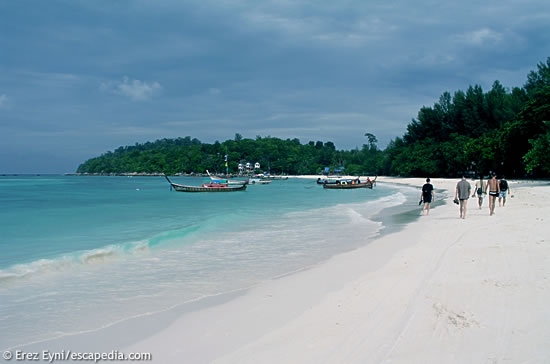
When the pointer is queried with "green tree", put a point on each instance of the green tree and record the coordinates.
(538, 157)
(371, 141)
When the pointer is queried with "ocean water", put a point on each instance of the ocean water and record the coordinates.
(82, 253)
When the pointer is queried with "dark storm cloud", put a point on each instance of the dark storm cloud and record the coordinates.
(79, 78)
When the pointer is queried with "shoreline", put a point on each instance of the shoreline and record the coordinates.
(415, 295)
(143, 325)
(394, 219)
(363, 305)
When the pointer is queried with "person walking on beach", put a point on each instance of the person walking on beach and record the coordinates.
(463, 189)
(480, 190)
(494, 191)
(504, 188)
(427, 195)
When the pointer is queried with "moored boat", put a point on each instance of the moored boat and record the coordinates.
(220, 180)
(211, 187)
(258, 181)
(271, 177)
(276, 178)
(327, 181)
(350, 184)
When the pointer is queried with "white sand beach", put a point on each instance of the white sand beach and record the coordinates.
(441, 290)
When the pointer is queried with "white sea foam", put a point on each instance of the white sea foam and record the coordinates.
(102, 255)
(117, 282)
(69, 261)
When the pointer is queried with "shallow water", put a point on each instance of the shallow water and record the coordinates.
(81, 253)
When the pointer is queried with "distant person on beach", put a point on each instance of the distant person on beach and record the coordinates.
(427, 196)
(504, 188)
(480, 190)
(494, 191)
(463, 189)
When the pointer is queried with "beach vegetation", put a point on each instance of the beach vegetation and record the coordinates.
(504, 131)
(501, 131)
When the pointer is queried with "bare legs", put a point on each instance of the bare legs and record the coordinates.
(479, 201)
(426, 208)
(463, 204)
(492, 201)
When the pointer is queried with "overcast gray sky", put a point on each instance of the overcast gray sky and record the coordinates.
(79, 78)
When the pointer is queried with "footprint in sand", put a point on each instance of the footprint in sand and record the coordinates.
(460, 321)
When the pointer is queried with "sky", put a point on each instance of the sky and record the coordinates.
(80, 78)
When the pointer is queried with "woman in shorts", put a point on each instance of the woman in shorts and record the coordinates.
(480, 190)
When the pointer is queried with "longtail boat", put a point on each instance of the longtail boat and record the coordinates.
(221, 180)
(259, 181)
(206, 187)
(327, 181)
(350, 184)
(275, 178)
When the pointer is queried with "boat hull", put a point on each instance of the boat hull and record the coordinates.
(272, 178)
(347, 186)
(214, 188)
(276, 178)
(254, 181)
(184, 188)
(216, 179)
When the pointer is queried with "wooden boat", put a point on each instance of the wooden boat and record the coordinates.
(206, 187)
(351, 184)
(327, 181)
(220, 180)
(270, 177)
(258, 181)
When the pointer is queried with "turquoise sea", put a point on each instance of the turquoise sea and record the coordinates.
(82, 253)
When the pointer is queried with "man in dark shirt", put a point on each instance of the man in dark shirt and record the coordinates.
(427, 196)
(504, 188)
(462, 194)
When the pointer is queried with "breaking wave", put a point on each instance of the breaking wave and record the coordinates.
(94, 256)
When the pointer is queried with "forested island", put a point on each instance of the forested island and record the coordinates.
(501, 130)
